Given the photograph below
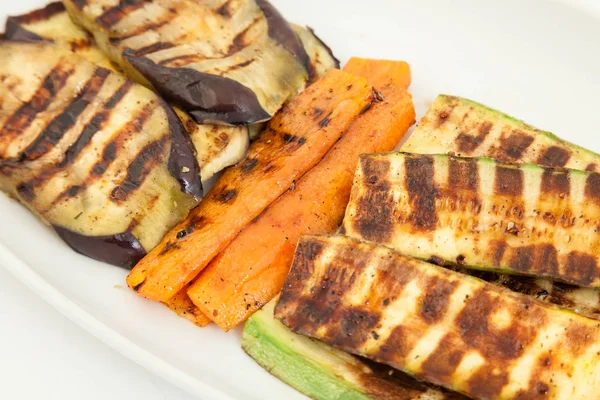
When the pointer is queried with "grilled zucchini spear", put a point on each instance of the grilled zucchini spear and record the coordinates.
(322, 372)
(226, 62)
(439, 325)
(463, 127)
(101, 159)
(481, 214)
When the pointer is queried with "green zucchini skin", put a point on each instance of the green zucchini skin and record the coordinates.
(462, 127)
(324, 373)
(442, 326)
(481, 214)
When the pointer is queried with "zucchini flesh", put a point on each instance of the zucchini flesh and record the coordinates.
(462, 127)
(322, 372)
(458, 126)
(442, 326)
(481, 214)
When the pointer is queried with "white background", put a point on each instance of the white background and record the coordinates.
(43, 355)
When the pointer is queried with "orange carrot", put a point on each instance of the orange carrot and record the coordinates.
(183, 306)
(252, 269)
(296, 139)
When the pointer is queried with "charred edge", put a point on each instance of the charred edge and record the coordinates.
(115, 40)
(554, 156)
(469, 143)
(182, 163)
(41, 14)
(79, 3)
(138, 170)
(592, 167)
(422, 191)
(41, 99)
(115, 14)
(206, 97)
(152, 48)
(59, 126)
(326, 47)
(96, 124)
(556, 182)
(122, 249)
(239, 41)
(509, 181)
(281, 31)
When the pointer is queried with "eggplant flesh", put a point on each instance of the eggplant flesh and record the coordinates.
(103, 160)
(320, 55)
(223, 61)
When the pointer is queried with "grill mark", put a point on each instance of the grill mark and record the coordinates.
(80, 3)
(436, 300)
(41, 14)
(226, 196)
(248, 165)
(592, 167)
(512, 147)
(374, 210)
(468, 143)
(440, 366)
(109, 154)
(592, 187)
(115, 14)
(237, 66)
(187, 58)
(239, 41)
(151, 48)
(59, 126)
(421, 191)
(554, 156)
(27, 189)
(541, 258)
(22, 118)
(115, 40)
(224, 10)
(463, 174)
(556, 182)
(581, 268)
(509, 181)
(354, 328)
(138, 170)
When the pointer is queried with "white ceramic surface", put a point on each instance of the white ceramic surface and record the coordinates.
(535, 59)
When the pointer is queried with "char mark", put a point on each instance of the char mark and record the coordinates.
(152, 48)
(554, 156)
(138, 30)
(556, 182)
(22, 118)
(422, 191)
(509, 181)
(468, 143)
(239, 41)
(463, 174)
(224, 10)
(115, 14)
(59, 126)
(513, 147)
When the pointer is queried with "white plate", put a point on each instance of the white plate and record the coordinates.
(536, 59)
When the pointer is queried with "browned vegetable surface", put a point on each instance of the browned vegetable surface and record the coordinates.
(294, 142)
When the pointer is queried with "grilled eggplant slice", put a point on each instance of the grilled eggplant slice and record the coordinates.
(101, 159)
(442, 326)
(324, 373)
(320, 55)
(465, 128)
(481, 214)
(222, 61)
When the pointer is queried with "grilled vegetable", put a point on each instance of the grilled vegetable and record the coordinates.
(321, 57)
(52, 24)
(296, 139)
(481, 214)
(441, 326)
(103, 160)
(251, 270)
(465, 128)
(459, 126)
(322, 372)
(183, 306)
(222, 61)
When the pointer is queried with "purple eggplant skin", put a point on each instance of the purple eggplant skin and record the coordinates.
(326, 47)
(13, 30)
(281, 31)
(207, 98)
(122, 250)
